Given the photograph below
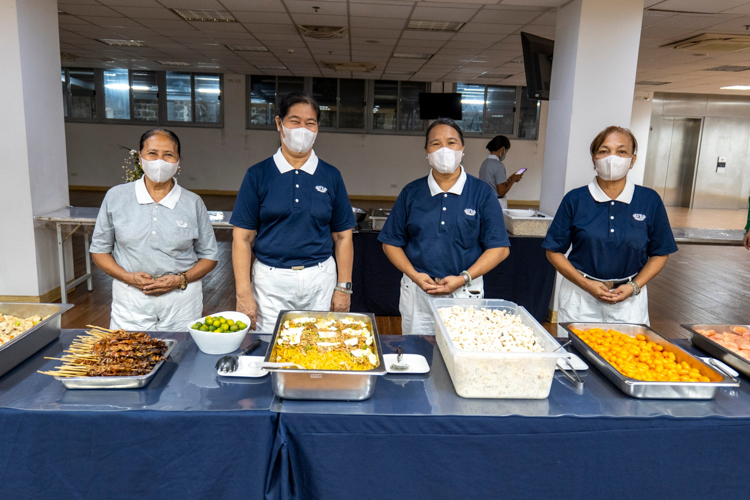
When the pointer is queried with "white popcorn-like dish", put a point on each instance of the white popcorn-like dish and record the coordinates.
(489, 330)
(494, 349)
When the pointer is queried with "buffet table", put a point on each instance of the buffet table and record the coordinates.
(194, 434)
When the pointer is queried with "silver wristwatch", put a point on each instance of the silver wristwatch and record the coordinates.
(346, 286)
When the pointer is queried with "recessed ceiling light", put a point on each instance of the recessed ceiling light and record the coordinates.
(205, 15)
(398, 73)
(322, 32)
(731, 69)
(736, 87)
(173, 63)
(206, 65)
(122, 43)
(247, 48)
(351, 66)
(372, 41)
(271, 67)
(651, 82)
(415, 25)
(409, 55)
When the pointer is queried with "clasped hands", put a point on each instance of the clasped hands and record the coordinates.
(600, 291)
(150, 286)
(435, 286)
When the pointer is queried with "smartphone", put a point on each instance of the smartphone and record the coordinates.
(520, 171)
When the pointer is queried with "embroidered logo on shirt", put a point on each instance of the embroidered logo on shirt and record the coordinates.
(321, 189)
(639, 217)
(182, 224)
(470, 212)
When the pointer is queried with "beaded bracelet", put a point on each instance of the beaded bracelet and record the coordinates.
(343, 290)
(467, 278)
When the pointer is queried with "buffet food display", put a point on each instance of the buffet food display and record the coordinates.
(340, 353)
(325, 344)
(117, 359)
(632, 367)
(728, 343)
(495, 349)
(10, 326)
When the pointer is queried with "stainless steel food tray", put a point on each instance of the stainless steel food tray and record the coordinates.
(338, 385)
(135, 382)
(651, 390)
(719, 352)
(16, 351)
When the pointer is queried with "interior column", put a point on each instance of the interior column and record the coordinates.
(32, 139)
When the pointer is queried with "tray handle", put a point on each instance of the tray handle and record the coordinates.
(722, 368)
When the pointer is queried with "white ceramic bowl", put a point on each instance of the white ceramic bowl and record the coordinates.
(219, 343)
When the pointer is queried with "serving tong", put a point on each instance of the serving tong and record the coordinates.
(575, 378)
(229, 364)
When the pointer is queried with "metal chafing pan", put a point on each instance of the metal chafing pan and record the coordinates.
(720, 352)
(135, 382)
(652, 390)
(16, 351)
(347, 385)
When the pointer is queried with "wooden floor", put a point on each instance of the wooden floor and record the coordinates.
(700, 284)
(699, 218)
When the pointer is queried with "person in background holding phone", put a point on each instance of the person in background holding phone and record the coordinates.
(492, 170)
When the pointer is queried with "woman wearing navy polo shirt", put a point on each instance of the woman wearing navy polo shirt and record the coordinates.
(620, 237)
(293, 212)
(444, 233)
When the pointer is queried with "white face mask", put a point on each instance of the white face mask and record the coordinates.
(159, 170)
(612, 167)
(299, 140)
(445, 160)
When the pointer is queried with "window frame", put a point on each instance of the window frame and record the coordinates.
(516, 114)
(161, 82)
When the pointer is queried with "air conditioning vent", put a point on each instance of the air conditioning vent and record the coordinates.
(219, 16)
(712, 43)
(650, 82)
(247, 48)
(322, 32)
(351, 66)
(731, 69)
(450, 27)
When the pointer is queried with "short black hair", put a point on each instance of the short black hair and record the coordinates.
(293, 98)
(146, 136)
(497, 142)
(443, 121)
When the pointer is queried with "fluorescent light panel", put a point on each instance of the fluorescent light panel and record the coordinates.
(410, 55)
(448, 26)
(736, 87)
(247, 48)
(122, 43)
(173, 63)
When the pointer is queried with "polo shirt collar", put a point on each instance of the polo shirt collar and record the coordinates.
(625, 197)
(310, 165)
(457, 188)
(144, 198)
(493, 157)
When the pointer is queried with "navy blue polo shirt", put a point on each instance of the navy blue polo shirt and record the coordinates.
(445, 233)
(612, 239)
(294, 211)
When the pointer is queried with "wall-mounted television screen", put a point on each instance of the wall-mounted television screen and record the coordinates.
(537, 60)
(434, 106)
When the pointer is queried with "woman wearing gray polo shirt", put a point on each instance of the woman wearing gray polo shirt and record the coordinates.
(493, 172)
(155, 239)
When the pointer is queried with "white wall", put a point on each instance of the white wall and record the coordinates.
(33, 146)
(375, 165)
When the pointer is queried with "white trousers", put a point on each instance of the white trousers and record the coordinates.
(575, 304)
(276, 289)
(503, 203)
(134, 310)
(414, 305)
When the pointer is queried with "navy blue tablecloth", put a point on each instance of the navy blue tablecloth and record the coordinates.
(526, 277)
(404, 457)
(134, 454)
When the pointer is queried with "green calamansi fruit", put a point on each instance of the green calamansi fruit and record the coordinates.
(204, 328)
(197, 326)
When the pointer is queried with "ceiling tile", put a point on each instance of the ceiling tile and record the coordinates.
(90, 10)
(490, 28)
(111, 22)
(443, 14)
(131, 3)
(320, 19)
(263, 17)
(255, 5)
(324, 8)
(192, 4)
(543, 31)
(65, 20)
(146, 13)
(506, 16)
(376, 33)
(271, 28)
(535, 3)
(171, 24)
(378, 10)
(473, 46)
(377, 22)
(217, 27)
(477, 37)
(712, 6)
(426, 35)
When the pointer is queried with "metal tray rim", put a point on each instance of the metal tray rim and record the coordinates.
(631, 381)
(721, 348)
(63, 309)
(378, 370)
(171, 343)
